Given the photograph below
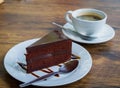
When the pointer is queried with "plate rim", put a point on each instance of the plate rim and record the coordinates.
(46, 85)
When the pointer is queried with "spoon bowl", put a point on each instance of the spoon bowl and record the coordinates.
(65, 68)
(68, 66)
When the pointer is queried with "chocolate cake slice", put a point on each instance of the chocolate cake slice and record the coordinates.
(53, 49)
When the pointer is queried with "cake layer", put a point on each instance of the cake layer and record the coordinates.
(49, 48)
(47, 62)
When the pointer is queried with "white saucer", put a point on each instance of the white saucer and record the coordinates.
(16, 54)
(105, 36)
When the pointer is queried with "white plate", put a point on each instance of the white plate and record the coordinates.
(16, 54)
(107, 34)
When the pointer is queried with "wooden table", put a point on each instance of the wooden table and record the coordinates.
(21, 20)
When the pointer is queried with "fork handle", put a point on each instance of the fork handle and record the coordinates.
(38, 79)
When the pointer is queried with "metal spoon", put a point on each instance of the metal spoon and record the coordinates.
(85, 37)
(65, 68)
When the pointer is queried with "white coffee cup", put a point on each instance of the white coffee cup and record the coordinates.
(87, 21)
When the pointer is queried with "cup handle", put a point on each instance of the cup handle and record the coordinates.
(68, 17)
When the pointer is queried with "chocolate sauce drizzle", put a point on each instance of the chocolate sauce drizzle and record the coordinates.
(47, 70)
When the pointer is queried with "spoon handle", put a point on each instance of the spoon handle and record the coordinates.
(85, 37)
(38, 79)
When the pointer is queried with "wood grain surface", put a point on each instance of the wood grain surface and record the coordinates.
(21, 20)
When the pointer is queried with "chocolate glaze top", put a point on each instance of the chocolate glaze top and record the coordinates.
(55, 35)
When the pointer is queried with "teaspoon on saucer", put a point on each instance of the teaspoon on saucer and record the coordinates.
(89, 38)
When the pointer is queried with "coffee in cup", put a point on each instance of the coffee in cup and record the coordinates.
(89, 17)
